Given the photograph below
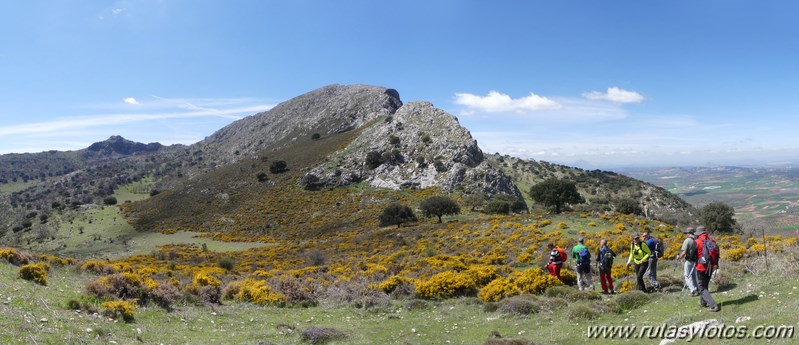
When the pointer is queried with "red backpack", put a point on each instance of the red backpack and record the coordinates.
(707, 254)
(563, 256)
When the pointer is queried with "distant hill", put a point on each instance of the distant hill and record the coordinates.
(346, 148)
(763, 197)
(119, 145)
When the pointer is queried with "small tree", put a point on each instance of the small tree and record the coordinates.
(278, 167)
(556, 193)
(315, 136)
(718, 216)
(310, 181)
(438, 206)
(497, 207)
(373, 159)
(396, 214)
(262, 177)
(475, 201)
(110, 200)
(628, 206)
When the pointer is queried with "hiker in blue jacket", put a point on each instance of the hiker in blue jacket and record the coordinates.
(652, 243)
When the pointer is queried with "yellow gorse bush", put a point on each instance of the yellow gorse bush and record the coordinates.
(124, 309)
(445, 284)
(733, 254)
(36, 272)
(254, 291)
(532, 281)
(205, 279)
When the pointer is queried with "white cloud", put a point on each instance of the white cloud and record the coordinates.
(496, 102)
(116, 11)
(616, 95)
(131, 100)
(164, 120)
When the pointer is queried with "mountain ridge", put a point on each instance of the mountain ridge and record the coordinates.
(332, 137)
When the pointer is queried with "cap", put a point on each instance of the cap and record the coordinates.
(688, 231)
(581, 240)
(700, 229)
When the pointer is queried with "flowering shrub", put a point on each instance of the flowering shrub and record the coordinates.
(254, 291)
(498, 289)
(123, 309)
(54, 260)
(733, 254)
(621, 270)
(532, 281)
(118, 285)
(98, 267)
(446, 284)
(390, 284)
(205, 279)
(568, 277)
(15, 257)
(524, 258)
(627, 285)
(36, 272)
(482, 274)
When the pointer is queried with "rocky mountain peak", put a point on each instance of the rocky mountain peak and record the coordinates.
(419, 146)
(119, 145)
(327, 110)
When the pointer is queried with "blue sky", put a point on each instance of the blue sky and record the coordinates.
(588, 83)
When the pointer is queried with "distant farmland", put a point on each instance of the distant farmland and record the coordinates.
(763, 198)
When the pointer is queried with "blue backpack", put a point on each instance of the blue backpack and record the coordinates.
(584, 257)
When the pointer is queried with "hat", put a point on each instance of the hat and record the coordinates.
(581, 240)
(688, 231)
(700, 229)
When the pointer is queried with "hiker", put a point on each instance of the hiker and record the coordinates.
(556, 258)
(604, 263)
(688, 252)
(582, 257)
(704, 270)
(639, 255)
(656, 249)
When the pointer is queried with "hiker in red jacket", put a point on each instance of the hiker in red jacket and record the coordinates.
(704, 271)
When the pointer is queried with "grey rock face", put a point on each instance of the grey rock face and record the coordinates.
(331, 109)
(421, 146)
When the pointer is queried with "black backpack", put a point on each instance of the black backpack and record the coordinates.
(659, 248)
(690, 254)
(605, 259)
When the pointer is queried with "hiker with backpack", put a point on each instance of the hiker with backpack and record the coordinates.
(604, 263)
(656, 249)
(688, 252)
(582, 256)
(707, 260)
(639, 255)
(557, 256)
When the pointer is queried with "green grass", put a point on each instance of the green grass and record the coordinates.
(16, 186)
(103, 232)
(135, 191)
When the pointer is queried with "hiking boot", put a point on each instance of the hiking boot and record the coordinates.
(694, 293)
(715, 309)
(612, 292)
